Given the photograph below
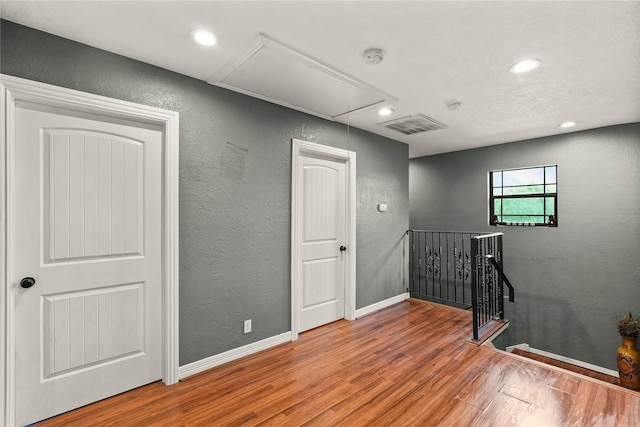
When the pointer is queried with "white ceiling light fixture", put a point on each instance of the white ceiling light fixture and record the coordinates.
(566, 125)
(525, 66)
(203, 37)
(385, 111)
(373, 56)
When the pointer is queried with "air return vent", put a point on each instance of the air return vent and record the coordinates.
(414, 124)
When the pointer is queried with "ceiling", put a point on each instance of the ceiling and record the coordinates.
(435, 53)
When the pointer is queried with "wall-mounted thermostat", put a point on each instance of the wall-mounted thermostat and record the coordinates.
(382, 207)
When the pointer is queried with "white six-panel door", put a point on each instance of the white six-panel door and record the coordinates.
(88, 230)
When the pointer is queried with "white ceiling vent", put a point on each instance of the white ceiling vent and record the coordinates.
(414, 124)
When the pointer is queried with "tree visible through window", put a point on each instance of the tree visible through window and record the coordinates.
(526, 196)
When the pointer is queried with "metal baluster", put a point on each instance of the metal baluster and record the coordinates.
(420, 263)
(434, 267)
(412, 264)
(425, 264)
(474, 287)
(500, 280)
(446, 283)
(439, 266)
(456, 264)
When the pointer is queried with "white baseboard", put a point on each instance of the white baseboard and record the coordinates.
(526, 347)
(361, 312)
(236, 353)
(231, 355)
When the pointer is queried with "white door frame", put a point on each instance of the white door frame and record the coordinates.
(13, 89)
(349, 158)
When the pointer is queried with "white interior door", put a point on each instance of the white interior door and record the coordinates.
(321, 220)
(88, 230)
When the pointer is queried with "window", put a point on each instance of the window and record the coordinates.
(527, 197)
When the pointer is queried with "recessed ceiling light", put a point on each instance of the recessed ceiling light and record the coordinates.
(385, 111)
(525, 66)
(204, 37)
(568, 124)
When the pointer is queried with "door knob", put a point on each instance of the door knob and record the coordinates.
(343, 248)
(27, 282)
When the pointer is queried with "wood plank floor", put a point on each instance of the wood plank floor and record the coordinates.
(407, 365)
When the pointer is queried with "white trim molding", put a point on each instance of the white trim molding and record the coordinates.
(580, 363)
(13, 90)
(364, 311)
(349, 158)
(6, 358)
(231, 355)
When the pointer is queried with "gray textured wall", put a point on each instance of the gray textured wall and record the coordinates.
(572, 281)
(235, 189)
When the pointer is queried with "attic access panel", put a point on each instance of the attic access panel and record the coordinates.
(279, 74)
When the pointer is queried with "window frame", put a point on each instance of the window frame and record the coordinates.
(551, 221)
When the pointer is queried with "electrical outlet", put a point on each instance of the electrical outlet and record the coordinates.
(247, 326)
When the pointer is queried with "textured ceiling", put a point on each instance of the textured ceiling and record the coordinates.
(435, 53)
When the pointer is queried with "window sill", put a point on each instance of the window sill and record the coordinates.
(522, 224)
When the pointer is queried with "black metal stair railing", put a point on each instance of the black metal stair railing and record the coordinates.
(488, 280)
(462, 269)
(440, 266)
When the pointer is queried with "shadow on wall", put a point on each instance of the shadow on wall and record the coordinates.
(232, 160)
(388, 276)
(556, 322)
(394, 262)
